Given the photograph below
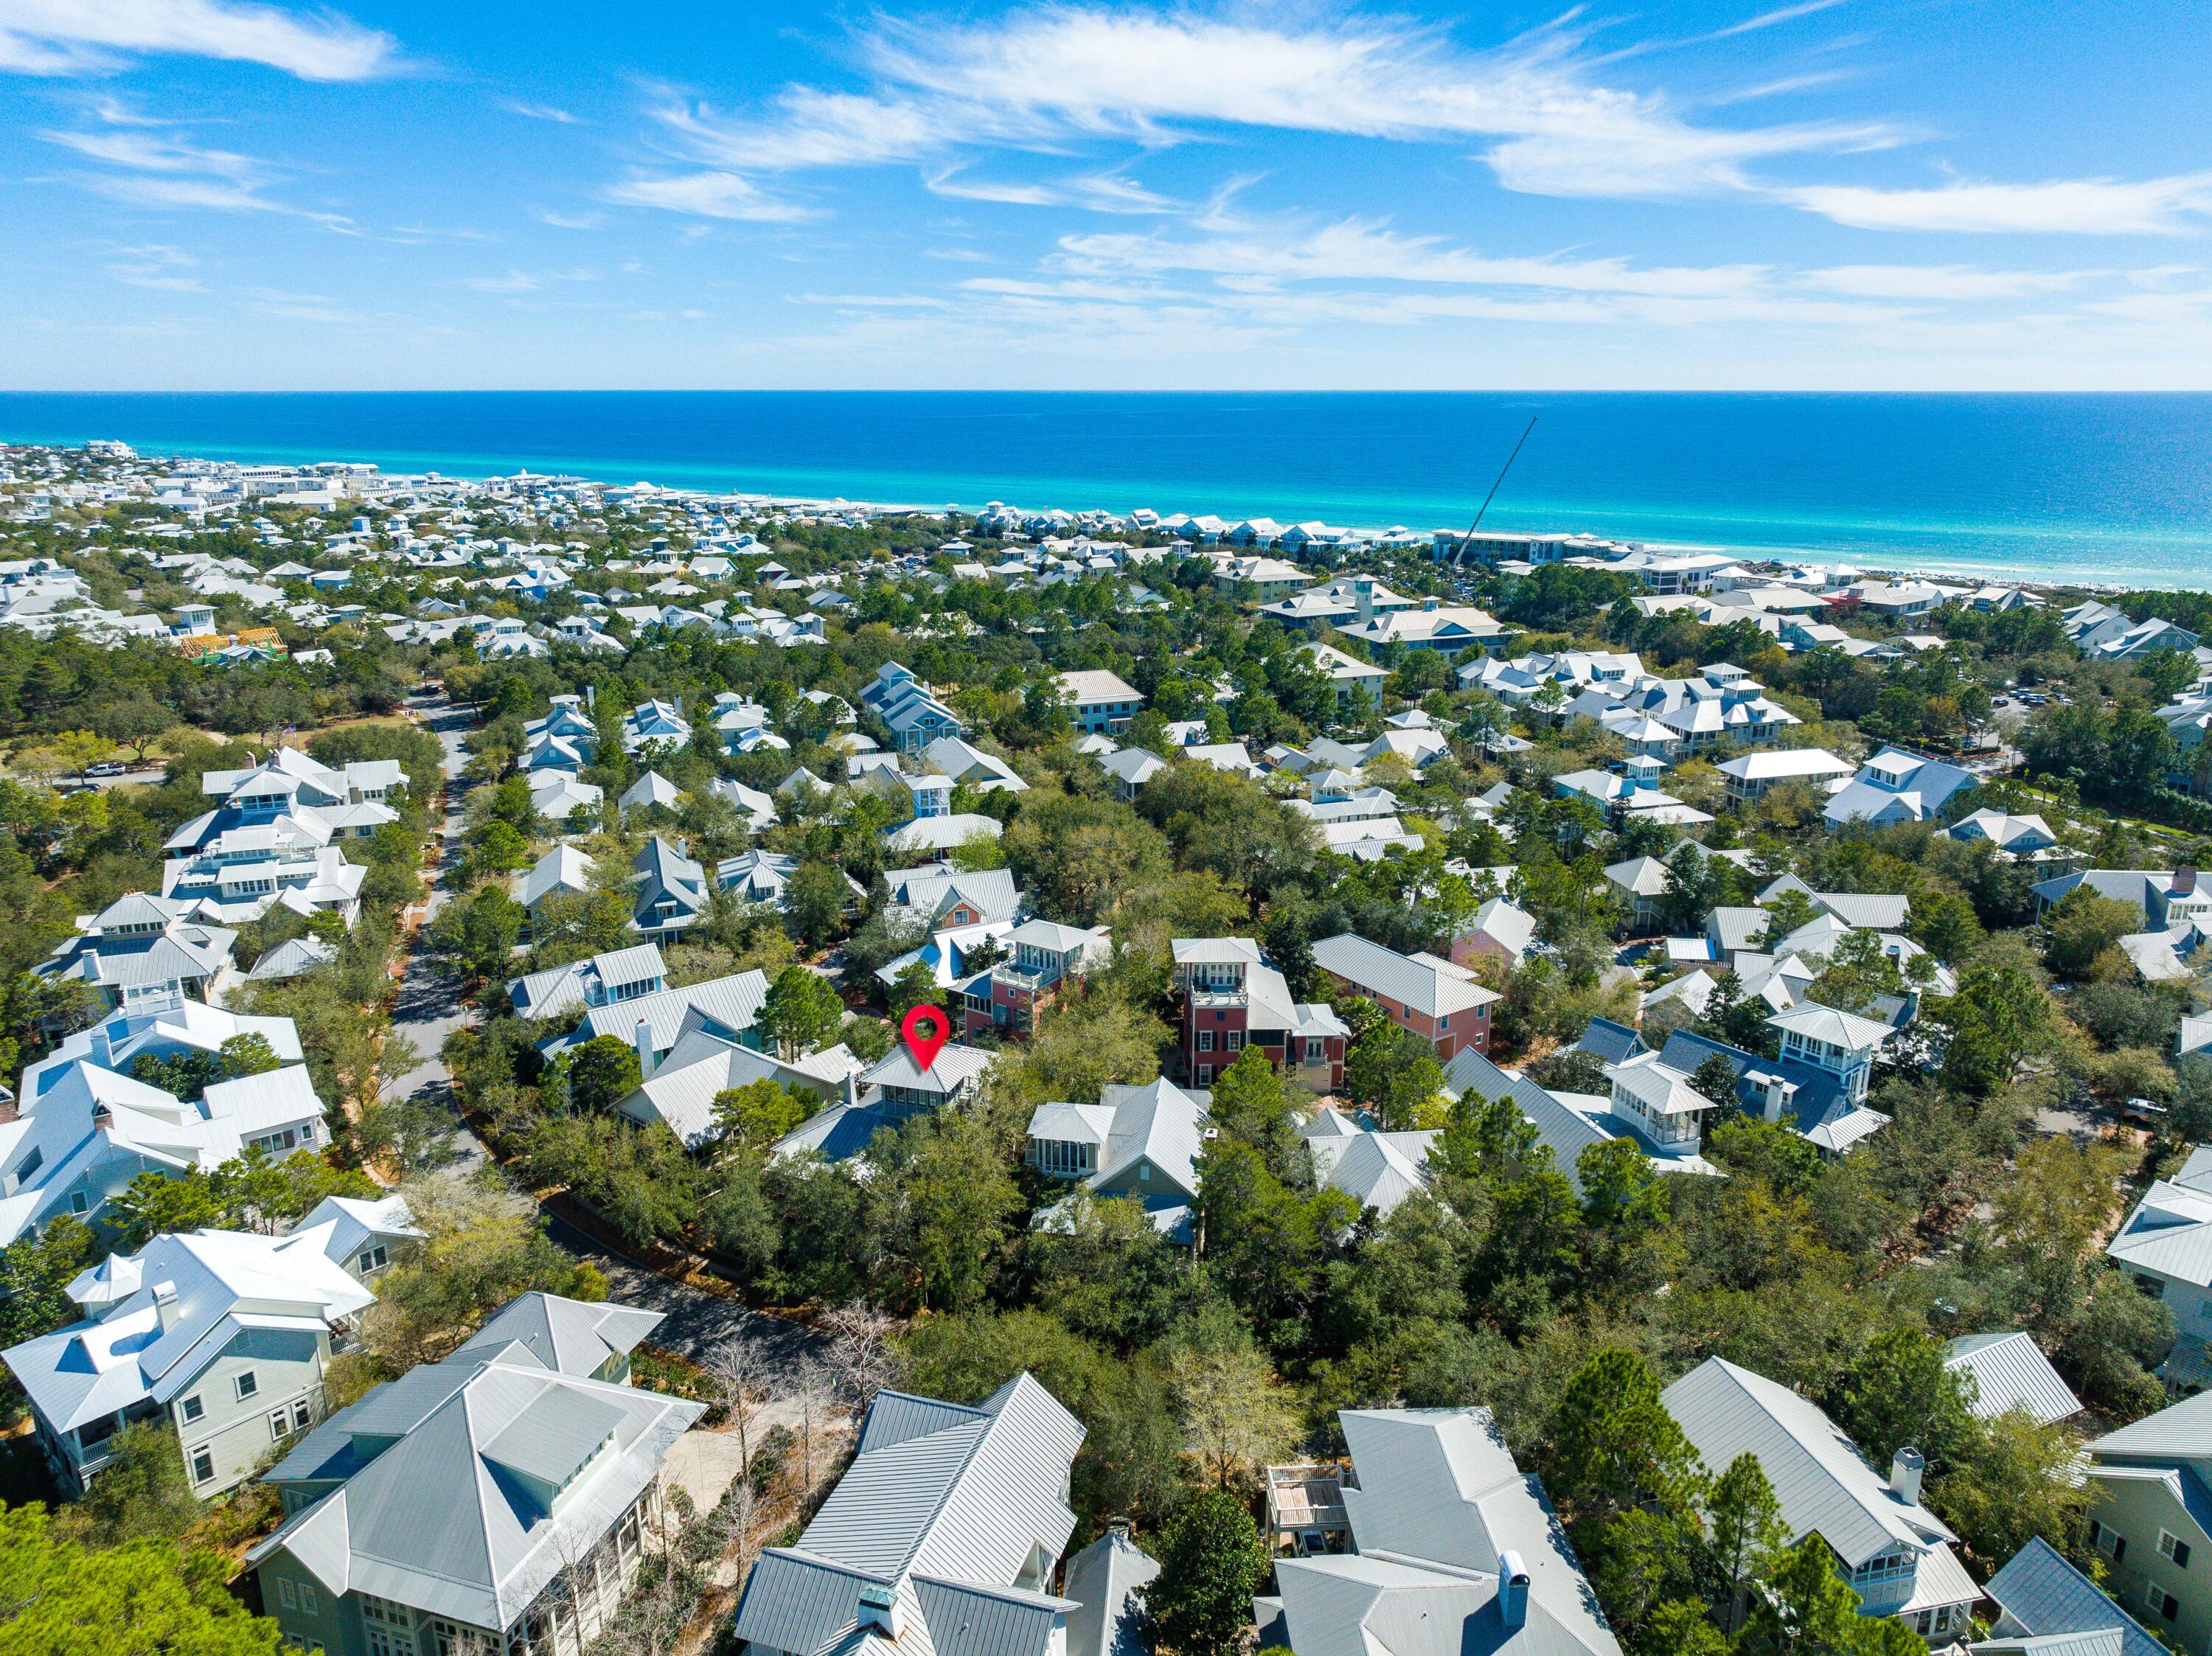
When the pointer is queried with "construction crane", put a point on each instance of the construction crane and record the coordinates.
(1467, 540)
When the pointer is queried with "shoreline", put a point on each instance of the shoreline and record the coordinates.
(1885, 564)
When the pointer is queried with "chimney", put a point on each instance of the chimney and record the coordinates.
(641, 1039)
(9, 1110)
(1512, 1589)
(2184, 880)
(165, 1305)
(1904, 1469)
(1778, 1095)
(880, 1609)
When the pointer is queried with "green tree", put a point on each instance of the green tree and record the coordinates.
(1896, 1394)
(800, 1013)
(1235, 1415)
(499, 849)
(144, 1598)
(1613, 1445)
(2014, 1480)
(2000, 1017)
(959, 1202)
(1250, 1103)
(479, 935)
(1745, 1532)
(915, 986)
(761, 1111)
(1808, 1609)
(1212, 1560)
(35, 1270)
(142, 1493)
(602, 1072)
(814, 900)
(2081, 926)
(1716, 1079)
(248, 1054)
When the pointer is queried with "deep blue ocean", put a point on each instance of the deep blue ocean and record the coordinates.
(2091, 487)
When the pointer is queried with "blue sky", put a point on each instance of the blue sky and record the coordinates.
(1976, 194)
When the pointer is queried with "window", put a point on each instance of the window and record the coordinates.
(2107, 1541)
(193, 1408)
(373, 1258)
(79, 1201)
(246, 1384)
(202, 1465)
(1206, 1075)
(2162, 1603)
(280, 1426)
(309, 1604)
(1235, 1042)
(2173, 1547)
(285, 1596)
(1315, 1051)
(1206, 1040)
(301, 1414)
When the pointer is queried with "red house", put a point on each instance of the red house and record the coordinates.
(1041, 959)
(1231, 998)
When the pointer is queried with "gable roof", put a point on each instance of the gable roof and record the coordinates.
(2050, 1598)
(1438, 1507)
(569, 1335)
(1435, 988)
(2011, 1372)
(1822, 1483)
(943, 1505)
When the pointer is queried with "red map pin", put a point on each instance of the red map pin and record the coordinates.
(924, 1030)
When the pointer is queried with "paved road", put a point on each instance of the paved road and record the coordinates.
(429, 1006)
(429, 1009)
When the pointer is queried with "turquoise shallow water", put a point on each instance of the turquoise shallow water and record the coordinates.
(2104, 489)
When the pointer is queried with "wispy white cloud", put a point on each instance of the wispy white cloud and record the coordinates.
(534, 111)
(953, 186)
(1767, 19)
(2104, 207)
(1546, 111)
(1361, 250)
(155, 266)
(78, 37)
(1941, 282)
(706, 195)
(147, 164)
(528, 282)
(1055, 77)
(572, 220)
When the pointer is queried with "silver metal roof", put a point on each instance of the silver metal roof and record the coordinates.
(2045, 1597)
(1822, 1482)
(2011, 1372)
